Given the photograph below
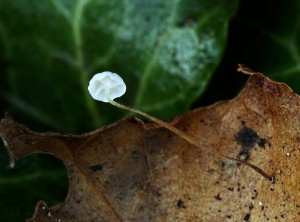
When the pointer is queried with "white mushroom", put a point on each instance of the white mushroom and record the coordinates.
(106, 86)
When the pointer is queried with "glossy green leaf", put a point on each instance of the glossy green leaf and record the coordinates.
(165, 50)
(33, 178)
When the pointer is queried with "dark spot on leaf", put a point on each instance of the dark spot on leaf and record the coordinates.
(246, 217)
(230, 189)
(262, 142)
(96, 168)
(247, 137)
(77, 199)
(134, 154)
(180, 204)
(223, 164)
(217, 197)
(251, 206)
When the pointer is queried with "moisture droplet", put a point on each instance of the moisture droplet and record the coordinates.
(260, 203)
(279, 171)
(288, 154)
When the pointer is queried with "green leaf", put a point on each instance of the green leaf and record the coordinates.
(266, 37)
(165, 50)
(34, 178)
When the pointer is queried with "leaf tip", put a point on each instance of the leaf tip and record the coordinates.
(244, 69)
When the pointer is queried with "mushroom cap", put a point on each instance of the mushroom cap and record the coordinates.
(106, 81)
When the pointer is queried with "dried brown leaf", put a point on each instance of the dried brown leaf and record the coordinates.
(131, 171)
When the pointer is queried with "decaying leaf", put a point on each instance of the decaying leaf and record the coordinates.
(131, 171)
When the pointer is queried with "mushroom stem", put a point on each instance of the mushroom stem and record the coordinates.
(185, 136)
